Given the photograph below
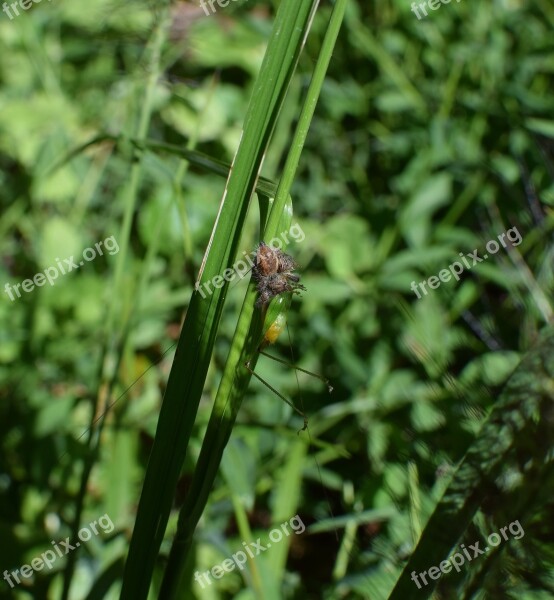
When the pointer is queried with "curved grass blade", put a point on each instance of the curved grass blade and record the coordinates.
(233, 386)
(245, 344)
(519, 421)
(194, 157)
(188, 373)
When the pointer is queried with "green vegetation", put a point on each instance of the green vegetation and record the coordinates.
(396, 153)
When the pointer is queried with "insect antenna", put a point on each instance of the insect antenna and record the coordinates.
(296, 368)
(269, 386)
(122, 395)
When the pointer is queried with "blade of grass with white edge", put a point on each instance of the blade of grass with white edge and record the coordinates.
(244, 348)
(233, 386)
(195, 346)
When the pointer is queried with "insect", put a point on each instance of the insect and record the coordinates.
(273, 273)
(276, 282)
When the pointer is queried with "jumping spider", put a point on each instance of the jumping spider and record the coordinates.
(273, 272)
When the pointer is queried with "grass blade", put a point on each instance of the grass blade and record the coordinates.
(197, 338)
(245, 344)
(520, 415)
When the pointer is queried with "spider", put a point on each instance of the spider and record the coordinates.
(273, 272)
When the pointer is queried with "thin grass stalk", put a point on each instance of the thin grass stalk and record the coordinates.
(305, 119)
(243, 527)
(233, 385)
(221, 168)
(106, 386)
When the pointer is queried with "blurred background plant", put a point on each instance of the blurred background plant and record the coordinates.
(430, 138)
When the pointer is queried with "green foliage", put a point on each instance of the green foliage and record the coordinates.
(430, 138)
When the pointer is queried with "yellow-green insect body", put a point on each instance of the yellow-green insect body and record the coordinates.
(275, 319)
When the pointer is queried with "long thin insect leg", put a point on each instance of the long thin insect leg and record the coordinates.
(247, 365)
(284, 362)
